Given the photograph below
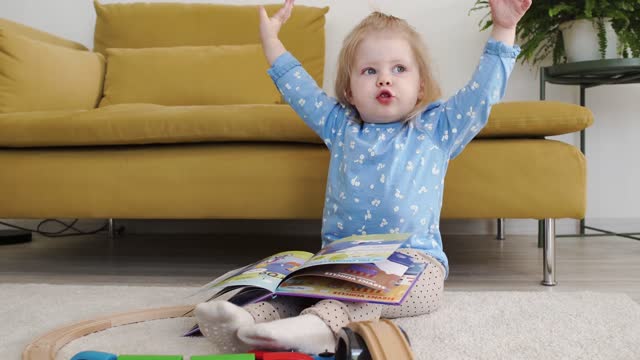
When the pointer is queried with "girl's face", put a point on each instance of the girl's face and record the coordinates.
(385, 79)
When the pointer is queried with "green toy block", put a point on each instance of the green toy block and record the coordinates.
(224, 357)
(149, 357)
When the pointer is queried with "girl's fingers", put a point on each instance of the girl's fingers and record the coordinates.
(281, 14)
(263, 14)
(288, 6)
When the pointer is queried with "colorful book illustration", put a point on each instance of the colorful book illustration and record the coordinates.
(362, 268)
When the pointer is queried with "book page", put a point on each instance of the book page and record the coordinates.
(266, 273)
(358, 249)
(330, 288)
(381, 276)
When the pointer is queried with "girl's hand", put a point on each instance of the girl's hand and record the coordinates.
(270, 26)
(507, 13)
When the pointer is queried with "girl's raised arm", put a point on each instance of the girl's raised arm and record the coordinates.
(505, 15)
(269, 28)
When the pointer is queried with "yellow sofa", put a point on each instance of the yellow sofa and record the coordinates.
(173, 116)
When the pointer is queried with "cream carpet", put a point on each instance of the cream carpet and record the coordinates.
(469, 325)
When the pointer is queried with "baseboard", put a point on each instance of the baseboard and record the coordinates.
(629, 225)
(239, 226)
(511, 226)
(191, 226)
(312, 227)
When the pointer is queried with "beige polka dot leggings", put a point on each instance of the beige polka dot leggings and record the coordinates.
(424, 298)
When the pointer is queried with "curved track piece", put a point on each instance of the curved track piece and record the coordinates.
(47, 346)
(384, 339)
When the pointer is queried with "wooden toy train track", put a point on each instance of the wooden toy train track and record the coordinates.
(381, 340)
(47, 346)
(377, 340)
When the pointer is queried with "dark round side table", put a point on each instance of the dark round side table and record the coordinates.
(588, 74)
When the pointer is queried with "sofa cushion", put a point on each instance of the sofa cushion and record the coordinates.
(197, 181)
(535, 119)
(37, 76)
(147, 124)
(531, 179)
(142, 25)
(189, 75)
(516, 178)
(39, 35)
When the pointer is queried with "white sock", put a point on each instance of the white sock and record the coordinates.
(219, 322)
(306, 333)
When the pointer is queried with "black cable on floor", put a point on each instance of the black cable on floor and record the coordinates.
(60, 233)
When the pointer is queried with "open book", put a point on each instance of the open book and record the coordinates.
(365, 268)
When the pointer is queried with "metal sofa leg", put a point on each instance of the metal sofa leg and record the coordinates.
(548, 227)
(112, 229)
(540, 234)
(500, 234)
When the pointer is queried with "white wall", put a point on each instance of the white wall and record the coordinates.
(455, 43)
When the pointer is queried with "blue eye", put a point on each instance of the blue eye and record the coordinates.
(399, 69)
(369, 71)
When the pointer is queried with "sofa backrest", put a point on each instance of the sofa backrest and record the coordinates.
(40, 71)
(145, 25)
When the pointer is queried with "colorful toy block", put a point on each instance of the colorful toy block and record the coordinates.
(225, 357)
(150, 357)
(266, 355)
(94, 355)
(254, 355)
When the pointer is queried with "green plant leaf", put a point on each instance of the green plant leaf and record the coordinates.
(589, 5)
(538, 31)
(555, 10)
(602, 37)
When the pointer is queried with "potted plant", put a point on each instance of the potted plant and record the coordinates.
(540, 29)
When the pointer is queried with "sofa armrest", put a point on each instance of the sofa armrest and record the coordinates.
(535, 119)
(40, 76)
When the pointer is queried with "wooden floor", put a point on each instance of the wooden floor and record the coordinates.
(604, 264)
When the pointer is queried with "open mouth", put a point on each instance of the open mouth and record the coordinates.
(384, 96)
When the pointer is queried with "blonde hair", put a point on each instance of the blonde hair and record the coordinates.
(378, 21)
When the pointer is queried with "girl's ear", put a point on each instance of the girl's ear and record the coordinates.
(349, 96)
(421, 91)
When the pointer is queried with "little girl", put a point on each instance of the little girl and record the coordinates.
(390, 143)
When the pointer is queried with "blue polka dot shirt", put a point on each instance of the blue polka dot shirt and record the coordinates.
(389, 178)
